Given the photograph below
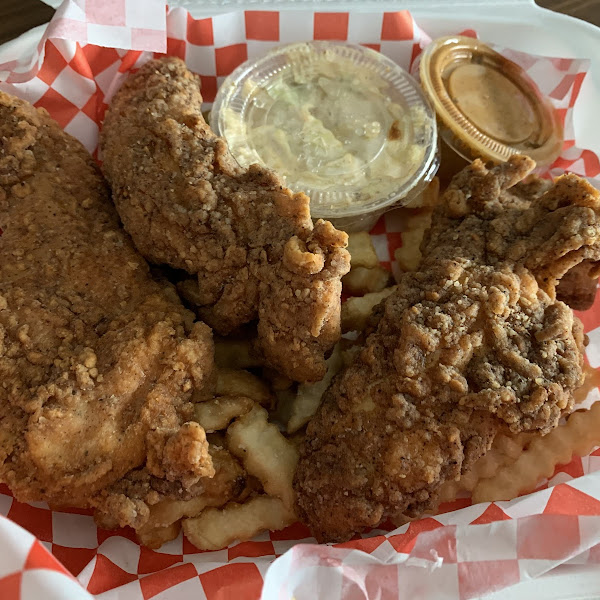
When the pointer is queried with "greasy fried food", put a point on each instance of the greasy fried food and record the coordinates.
(361, 249)
(505, 450)
(360, 280)
(270, 460)
(579, 436)
(155, 538)
(577, 288)
(357, 310)
(305, 400)
(97, 360)
(237, 382)
(408, 256)
(216, 414)
(472, 342)
(216, 528)
(145, 502)
(265, 453)
(249, 240)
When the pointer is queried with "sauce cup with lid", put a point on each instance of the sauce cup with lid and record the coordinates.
(342, 123)
(487, 106)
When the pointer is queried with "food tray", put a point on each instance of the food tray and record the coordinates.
(119, 568)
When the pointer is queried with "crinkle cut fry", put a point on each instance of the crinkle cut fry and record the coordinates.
(505, 450)
(578, 437)
(146, 503)
(250, 241)
(470, 343)
(97, 361)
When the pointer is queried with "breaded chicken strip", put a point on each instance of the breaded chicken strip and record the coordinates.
(472, 342)
(97, 361)
(248, 239)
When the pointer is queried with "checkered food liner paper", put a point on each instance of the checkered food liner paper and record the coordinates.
(86, 53)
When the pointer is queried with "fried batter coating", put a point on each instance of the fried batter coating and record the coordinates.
(577, 288)
(248, 239)
(97, 360)
(132, 499)
(472, 342)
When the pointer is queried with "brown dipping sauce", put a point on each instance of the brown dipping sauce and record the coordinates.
(487, 106)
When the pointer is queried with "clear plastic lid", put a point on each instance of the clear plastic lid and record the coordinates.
(342, 123)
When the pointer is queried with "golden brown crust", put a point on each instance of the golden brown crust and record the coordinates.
(135, 497)
(97, 361)
(471, 342)
(249, 240)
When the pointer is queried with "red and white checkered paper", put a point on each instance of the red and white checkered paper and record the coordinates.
(87, 51)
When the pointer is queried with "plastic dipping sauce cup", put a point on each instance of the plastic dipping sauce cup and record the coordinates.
(487, 106)
(341, 123)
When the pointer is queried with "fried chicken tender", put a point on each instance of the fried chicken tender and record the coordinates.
(97, 360)
(248, 239)
(471, 342)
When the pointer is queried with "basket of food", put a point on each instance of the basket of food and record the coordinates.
(299, 302)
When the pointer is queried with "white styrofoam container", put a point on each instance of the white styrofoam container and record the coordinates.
(518, 24)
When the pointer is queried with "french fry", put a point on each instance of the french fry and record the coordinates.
(217, 528)
(265, 453)
(170, 511)
(362, 252)
(408, 256)
(360, 281)
(156, 537)
(577, 436)
(216, 414)
(235, 382)
(227, 484)
(235, 354)
(357, 310)
(505, 450)
(308, 396)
